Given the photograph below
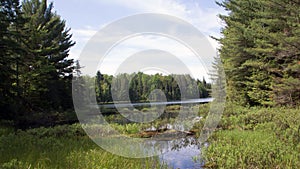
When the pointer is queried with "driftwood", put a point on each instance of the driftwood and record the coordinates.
(167, 133)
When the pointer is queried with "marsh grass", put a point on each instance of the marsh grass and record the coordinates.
(61, 147)
(255, 137)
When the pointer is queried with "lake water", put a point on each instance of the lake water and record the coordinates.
(183, 153)
(190, 101)
(180, 153)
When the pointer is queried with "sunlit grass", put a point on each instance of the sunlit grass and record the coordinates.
(61, 147)
(255, 137)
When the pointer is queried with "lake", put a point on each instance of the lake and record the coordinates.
(190, 101)
(184, 152)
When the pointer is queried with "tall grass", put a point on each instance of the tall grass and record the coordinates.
(250, 149)
(256, 137)
(61, 147)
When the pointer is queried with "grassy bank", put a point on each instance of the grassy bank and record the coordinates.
(256, 138)
(64, 146)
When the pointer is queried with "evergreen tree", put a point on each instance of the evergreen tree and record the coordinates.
(11, 24)
(47, 71)
(99, 92)
(260, 51)
(34, 69)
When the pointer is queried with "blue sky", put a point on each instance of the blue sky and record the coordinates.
(86, 17)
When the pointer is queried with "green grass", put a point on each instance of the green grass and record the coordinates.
(250, 149)
(61, 147)
(256, 137)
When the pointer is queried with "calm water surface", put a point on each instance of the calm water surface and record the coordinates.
(181, 153)
(201, 100)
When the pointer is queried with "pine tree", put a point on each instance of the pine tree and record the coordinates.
(260, 51)
(234, 44)
(11, 23)
(99, 92)
(47, 71)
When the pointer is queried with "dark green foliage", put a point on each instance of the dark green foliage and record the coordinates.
(260, 51)
(11, 23)
(141, 85)
(34, 70)
(49, 75)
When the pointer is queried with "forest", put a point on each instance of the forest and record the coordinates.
(259, 53)
(142, 84)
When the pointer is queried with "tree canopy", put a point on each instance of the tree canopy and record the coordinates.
(35, 71)
(140, 85)
(260, 51)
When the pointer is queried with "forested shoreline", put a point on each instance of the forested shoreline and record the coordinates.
(139, 85)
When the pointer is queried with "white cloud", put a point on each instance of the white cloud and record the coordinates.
(84, 34)
(120, 54)
(205, 19)
(81, 37)
(158, 6)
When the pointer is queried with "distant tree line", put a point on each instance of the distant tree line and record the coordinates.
(140, 85)
(261, 51)
(35, 73)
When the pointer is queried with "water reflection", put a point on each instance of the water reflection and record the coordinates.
(183, 153)
(174, 141)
